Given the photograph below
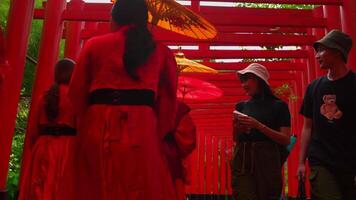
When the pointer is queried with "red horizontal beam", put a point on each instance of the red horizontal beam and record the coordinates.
(210, 106)
(259, 29)
(171, 38)
(192, 54)
(224, 84)
(310, 2)
(221, 29)
(256, 17)
(219, 100)
(271, 66)
(226, 110)
(240, 39)
(232, 76)
(267, 21)
(260, 12)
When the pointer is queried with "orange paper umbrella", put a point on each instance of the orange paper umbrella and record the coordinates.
(170, 15)
(191, 88)
(186, 65)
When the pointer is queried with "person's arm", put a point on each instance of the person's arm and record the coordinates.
(185, 136)
(304, 143)
(282, 119)
(238, 128)
(282, 136)
(167, 94)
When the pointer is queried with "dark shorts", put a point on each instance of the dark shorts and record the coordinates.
(328, 185)
(256, 171)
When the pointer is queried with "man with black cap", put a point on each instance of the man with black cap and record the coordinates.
(329, 132)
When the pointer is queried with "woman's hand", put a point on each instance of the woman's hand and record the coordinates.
(238, 127)
(249, 122)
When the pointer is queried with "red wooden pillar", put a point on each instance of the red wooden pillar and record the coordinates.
(294, 156)
(48, 55)
(332, 15)
(195, 6)
(91, 26)
(319, 33)
(3, 59)
(73, 30)
(18, 30)
(348, 15)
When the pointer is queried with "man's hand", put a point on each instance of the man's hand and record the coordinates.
(301, 171)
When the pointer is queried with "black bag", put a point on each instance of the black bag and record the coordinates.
(301, 190)
(284, 153)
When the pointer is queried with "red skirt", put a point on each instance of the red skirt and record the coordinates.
(119, 156)
(49, 159)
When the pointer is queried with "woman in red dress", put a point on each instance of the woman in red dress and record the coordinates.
(53, 138)
(124, 91)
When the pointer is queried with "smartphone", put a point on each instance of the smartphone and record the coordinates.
(239, 113)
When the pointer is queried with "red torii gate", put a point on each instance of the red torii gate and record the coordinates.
(86, 20)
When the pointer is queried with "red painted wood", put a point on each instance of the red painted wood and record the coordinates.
(240, 39)
(18, 31)
(315, 2)
(237, 16)
(48, 55)
(191, 54)
(72, 33)
(213, 117)
(271, 66)
(348, 16)
(232, 76)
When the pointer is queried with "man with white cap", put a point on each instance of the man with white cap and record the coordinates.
(261, 127)
(329, 133)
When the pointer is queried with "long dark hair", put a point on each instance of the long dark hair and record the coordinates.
(62, 74)
(139, 43)
(264, 90)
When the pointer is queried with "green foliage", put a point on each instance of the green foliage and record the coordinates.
(21, 122)
(32, 51)
(275, 6)
(17, 146)
(285, 92)
(4, 9)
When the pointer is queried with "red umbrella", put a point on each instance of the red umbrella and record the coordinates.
(190, 88)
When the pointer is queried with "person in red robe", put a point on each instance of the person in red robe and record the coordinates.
(178, 145)
(124, 91)
(53, 139)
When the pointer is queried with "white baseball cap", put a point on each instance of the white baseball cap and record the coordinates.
(256, 69)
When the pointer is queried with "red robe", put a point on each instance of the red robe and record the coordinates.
(179, 147)
(118, 154)
(50, 154)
